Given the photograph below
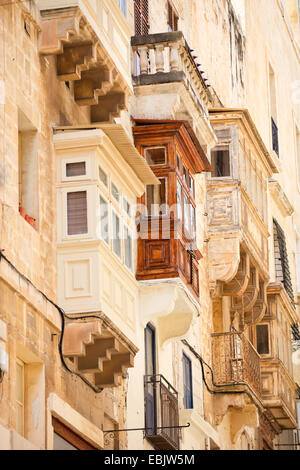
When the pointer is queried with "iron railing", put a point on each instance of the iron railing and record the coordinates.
(235, 361)
(161, 413)
(275, 138)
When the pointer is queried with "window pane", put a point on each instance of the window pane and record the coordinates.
(262, 339)
(103, 176)
(128, 248)
(77, 213)
(187, 383)
(187, 216)
(61, 444)
(156, 198)
(179, 201)
(115, 192)
(126, 206)
(116, 235)
(75, 169)
(104, 220)
(156, 156)
(220, 162)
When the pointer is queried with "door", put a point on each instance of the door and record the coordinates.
(150, 381)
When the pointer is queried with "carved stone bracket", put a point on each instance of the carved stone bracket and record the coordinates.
(81, 58)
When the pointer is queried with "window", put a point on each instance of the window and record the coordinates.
(115, 192)
(156, 196)
(77, 213)
(141, 17)
(273, 110)
(220, 162)
(66, 439)
(116, 235)
(126, 207)
(172, 18)
(123, 6)
(28, 169)
(75, 169)
(262, 339)
(128, 248)
(282, 269)
(187, 383)
(103, 177)
(20, 396)
(156, 156)
(104, 219)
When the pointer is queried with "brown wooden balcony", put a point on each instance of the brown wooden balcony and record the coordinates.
(167, 219)
(161, 413)
(236, 363)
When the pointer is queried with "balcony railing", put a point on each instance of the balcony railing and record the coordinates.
(161, 413)
(166, 58)
(236, 362)
(275, 139)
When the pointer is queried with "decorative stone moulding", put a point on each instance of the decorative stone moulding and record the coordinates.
(281, 198)
(170, 303)
(82, 59)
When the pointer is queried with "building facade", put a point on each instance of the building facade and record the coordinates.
(150, 230)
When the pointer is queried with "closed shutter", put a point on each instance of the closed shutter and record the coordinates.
(77, 212)
(187, 383)
(281, 260)
(141, 17)
(75, 169)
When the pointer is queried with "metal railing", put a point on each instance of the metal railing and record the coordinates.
(161, 412)
(236, 361)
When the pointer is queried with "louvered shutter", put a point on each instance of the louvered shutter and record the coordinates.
(281, 260)
(141, 17)
(77, 212)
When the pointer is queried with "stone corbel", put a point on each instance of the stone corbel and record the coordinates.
(170, 304)
(246, 302)
(238, 285)
(256, 314)
(224, 261)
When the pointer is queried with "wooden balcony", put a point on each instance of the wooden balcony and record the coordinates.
(236, 363)
(278, 385)
(161, 413)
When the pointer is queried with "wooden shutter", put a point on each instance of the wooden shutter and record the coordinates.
(75, 169)
(77, 212)
(172, 18)
(141, 17)
(281, 260)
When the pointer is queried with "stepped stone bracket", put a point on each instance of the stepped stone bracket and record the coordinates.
(97, 351)
(82, 59)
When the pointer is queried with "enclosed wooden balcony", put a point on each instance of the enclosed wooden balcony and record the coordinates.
(97, 65)
(167, 245)
(273, 336)
(236, 363)
(161, 413)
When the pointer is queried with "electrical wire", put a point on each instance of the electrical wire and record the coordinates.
(261, 408)
(63, 316)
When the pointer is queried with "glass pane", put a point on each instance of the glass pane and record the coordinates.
(179, 201)
(103, 177)
(187, 215)
(115, 192)
(156, 156)
(128, 248)
(220, 162)
(104, 219)
(116, 235)
(126, 206)
(156, 198)
(262, 339)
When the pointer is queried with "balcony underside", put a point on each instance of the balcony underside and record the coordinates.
(83, 60)
(96, 351)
